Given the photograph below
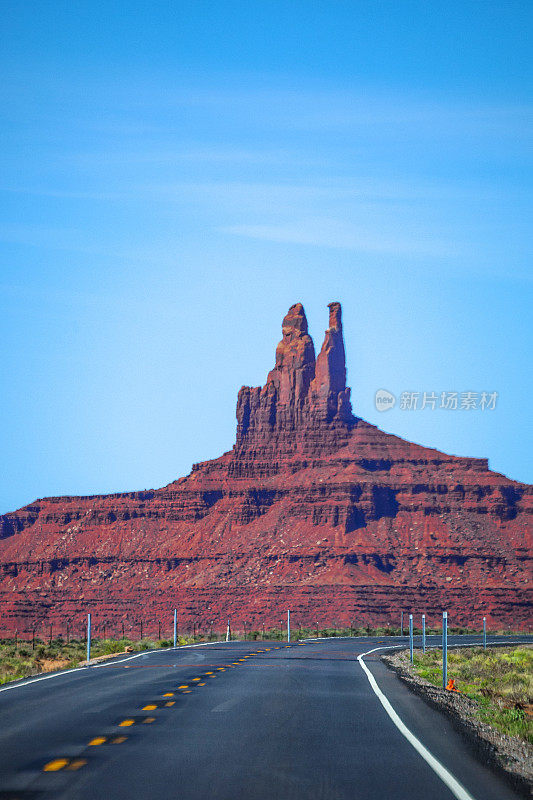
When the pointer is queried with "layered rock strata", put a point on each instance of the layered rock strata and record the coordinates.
(313, 508)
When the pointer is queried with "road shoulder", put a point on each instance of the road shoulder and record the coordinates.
(510, 757)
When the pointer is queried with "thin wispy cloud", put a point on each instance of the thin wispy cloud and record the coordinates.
(358, 188)
(355, 189)
(148, 250)
(363, 214)
(340, 235)
(331, 108)
(63, 194)
(359, 170)
(186, 154)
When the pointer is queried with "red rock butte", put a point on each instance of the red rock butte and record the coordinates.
(313, 509)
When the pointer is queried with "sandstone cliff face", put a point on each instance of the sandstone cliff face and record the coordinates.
(313, 508)
(304, 406)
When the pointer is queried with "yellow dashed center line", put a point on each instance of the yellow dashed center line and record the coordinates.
(187, 691)
(119, 739)
(221, 669)
(197, 679)
(201, 684)
(170, 703)
(55, 765)
(77, 763)
(168, 694)
(209, 673)
(185, 686)
(97, 740)
(148, 720)
(149, 707)
(126, 723)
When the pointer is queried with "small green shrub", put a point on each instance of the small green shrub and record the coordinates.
(498, 681)
(107, 647)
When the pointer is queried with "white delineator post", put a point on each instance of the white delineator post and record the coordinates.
(175, 627)
(423, 633)
(484, 633)
(411, 637)
(88, 638)
(228, 633)
(444, 649)
(288, 625)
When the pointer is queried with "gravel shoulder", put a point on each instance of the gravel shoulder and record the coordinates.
(510, 756)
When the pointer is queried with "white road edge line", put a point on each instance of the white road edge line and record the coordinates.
(42, 678)
(145, 652)
(96, 666)
(451, 782)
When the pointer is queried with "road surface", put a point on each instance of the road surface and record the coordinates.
(236, 721)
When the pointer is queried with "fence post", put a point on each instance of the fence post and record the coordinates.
(288, 625)
(423, 633)
(175, 627)
(444, 649)
(411, 637)
(88, 638)
(484, 633)
(228, 633)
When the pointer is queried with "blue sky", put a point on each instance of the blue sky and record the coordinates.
(175, 175)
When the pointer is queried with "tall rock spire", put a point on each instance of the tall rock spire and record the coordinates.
(295, 359)
(304, 404)
(329, 385)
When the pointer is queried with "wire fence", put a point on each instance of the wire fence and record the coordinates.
(162, 629)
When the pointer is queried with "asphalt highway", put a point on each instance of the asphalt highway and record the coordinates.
(235, 721)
